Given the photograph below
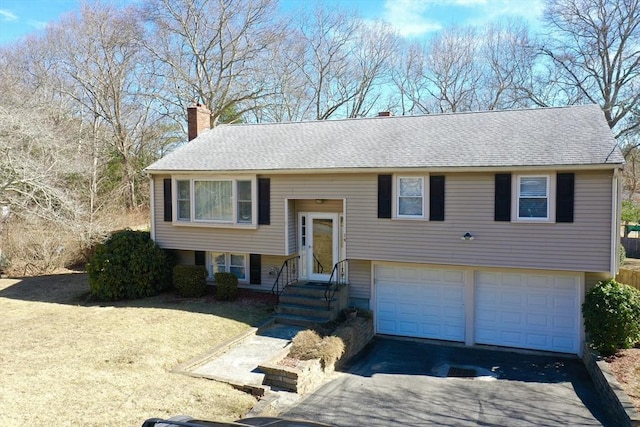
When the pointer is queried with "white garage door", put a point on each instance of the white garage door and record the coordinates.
(420, 302)
(535, 311)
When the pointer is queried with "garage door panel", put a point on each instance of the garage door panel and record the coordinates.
(536, 311)
(567, 302)
(565, 283)
(537, 301)
(537, 340)
(408, 310)
(451, 276)
(538, 320)
(510, 317)
(509, 298)
(407, 328)
(513, 280)
(427, 302)
(568, 323)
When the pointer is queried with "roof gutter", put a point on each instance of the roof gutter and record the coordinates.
(439, 169)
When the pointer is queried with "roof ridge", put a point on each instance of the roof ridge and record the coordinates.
(451, 113)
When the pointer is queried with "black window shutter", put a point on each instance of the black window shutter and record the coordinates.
(384, 196)
(564, 197)
(255, 269)
(502, 209)
(264, 201)
(436, 198)
(168, 215)
(200, 258)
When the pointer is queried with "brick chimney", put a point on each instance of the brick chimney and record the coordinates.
(385, 114)
(198, 120)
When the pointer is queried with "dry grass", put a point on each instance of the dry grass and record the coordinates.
(304, 345)
(308, 345)
(625, 365)
(66, 362)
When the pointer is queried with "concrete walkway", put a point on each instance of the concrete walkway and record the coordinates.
(236, 362)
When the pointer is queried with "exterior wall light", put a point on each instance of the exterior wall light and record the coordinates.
(467, 236)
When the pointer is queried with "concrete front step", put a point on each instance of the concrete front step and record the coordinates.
(304, 310)
(308, 300)
(292, 319)
(309, 290)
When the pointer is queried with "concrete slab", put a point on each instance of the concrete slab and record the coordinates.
(238, 364)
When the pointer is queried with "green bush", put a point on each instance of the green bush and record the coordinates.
(623, 256)
(227, 286)
(190, 280)
(129, 265)
(611, 313)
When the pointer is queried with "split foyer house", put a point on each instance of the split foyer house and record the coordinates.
(482, 227)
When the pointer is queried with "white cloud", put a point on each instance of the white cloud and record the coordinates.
(6, 15)
(407, 17)
(494, 10)
(39, 25)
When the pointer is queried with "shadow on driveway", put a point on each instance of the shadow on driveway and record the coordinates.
(403, 382)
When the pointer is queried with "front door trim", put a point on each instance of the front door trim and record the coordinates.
(305, 233)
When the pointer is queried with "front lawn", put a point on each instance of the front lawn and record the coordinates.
(65, 361)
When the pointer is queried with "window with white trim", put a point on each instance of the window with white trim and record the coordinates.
(184, 200)
(533, 197)
(410, 197)
(228, 263)
(225, 201)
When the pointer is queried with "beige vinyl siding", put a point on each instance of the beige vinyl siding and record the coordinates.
(592, 279)
(334, 206)
(359, 278)
(265, 239)
(583, 245)
(269, 262)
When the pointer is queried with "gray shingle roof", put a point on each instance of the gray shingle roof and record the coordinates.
(564, 136)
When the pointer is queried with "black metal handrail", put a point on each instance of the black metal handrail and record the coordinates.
(337, 279)
(287, 275)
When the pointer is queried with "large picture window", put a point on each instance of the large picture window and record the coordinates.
(410, 200)
(213, 200)
(533, 197)
(228, 201)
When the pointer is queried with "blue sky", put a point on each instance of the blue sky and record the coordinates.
(412, 18)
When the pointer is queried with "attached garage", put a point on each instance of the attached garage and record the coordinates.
(511, 308)
(420, 302)
(534, 311)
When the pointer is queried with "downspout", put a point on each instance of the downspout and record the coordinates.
(616, 206)
(152, 211)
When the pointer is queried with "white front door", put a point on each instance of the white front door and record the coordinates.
(320, 244)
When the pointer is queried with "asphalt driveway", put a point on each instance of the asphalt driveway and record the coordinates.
(403, 382)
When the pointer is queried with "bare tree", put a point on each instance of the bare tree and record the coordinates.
(325, 65)
(452, 71)
(334, 65)
(594, 44)
(38, 163)
(376, 44)
(212, 51)
(102, 66)
(409, 79)
(508, 57)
